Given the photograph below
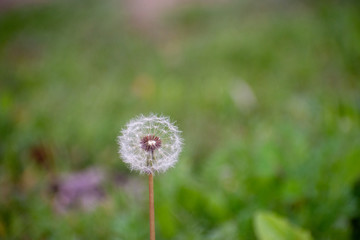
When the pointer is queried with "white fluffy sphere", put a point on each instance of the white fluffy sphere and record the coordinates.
(150, 144)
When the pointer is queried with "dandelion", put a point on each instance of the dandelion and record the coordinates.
(150, 144)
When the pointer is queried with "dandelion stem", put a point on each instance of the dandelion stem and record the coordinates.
(151, 207)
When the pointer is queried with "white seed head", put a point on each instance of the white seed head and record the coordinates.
(150, 144)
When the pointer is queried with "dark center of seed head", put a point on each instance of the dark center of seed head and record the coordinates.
(150, 143)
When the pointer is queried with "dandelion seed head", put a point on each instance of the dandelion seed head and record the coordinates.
(150, 144)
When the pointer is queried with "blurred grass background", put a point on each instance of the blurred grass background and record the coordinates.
(266, 94)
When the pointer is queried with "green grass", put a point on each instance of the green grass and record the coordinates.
(73, 74)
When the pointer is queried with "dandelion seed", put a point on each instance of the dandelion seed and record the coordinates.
(150, 144)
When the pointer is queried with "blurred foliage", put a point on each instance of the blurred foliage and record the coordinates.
(271, 227)
(267, 96)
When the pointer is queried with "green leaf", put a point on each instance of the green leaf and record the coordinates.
(269, 226)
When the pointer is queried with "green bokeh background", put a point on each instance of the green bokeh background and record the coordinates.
(266, 94)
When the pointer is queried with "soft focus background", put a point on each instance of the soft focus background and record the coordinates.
(265, 92)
